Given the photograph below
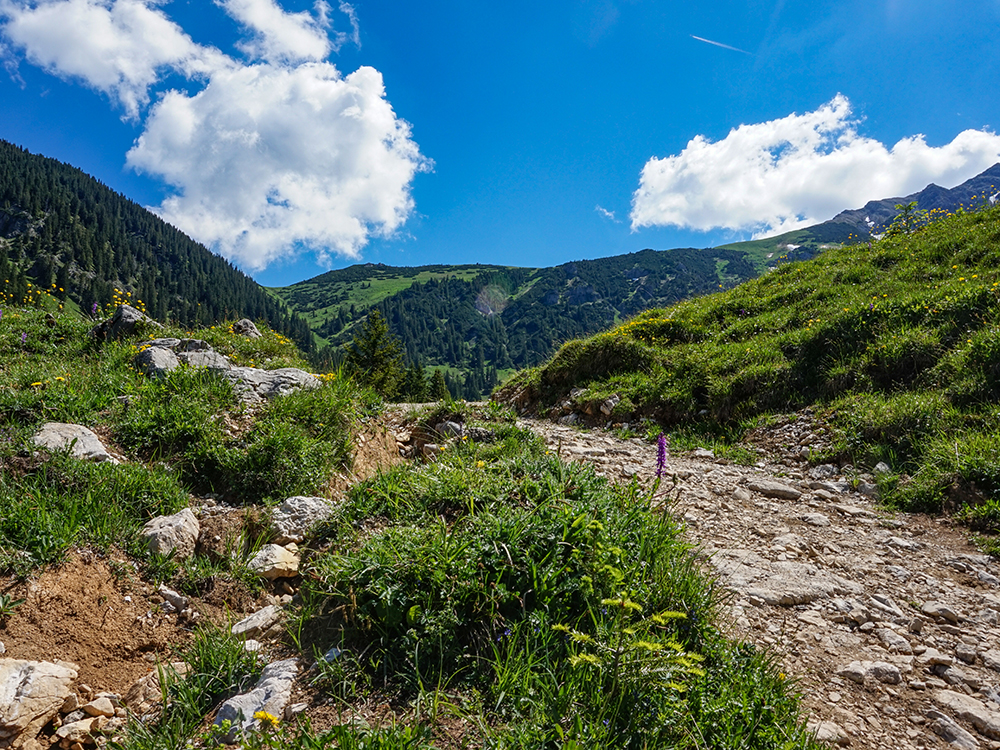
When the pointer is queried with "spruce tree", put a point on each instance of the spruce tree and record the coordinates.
(415, 386)
(375, 357)
(439, 388)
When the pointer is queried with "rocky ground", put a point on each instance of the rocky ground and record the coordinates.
(888, 623)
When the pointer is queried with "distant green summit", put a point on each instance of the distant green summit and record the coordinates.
(64, 231)
(871, 220)
(483, 322)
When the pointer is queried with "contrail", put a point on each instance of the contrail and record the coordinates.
(720, 44)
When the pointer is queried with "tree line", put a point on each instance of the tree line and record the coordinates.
(61, 227)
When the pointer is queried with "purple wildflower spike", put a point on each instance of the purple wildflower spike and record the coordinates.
(24, 337)
(661, 454)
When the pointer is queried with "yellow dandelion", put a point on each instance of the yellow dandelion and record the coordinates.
(265, 718)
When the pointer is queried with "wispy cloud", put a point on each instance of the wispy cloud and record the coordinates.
(720, 44)
(776, 176)
(607, 214)
(355, 36)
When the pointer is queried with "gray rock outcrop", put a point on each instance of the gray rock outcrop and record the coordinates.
(271, 694)
(783, 583)
(80, 441)
(126, 322)
(258, 623)
(296, 515)
(274, 561)
(246, 328)
(210, 360)
(156, 361)
(253, 385)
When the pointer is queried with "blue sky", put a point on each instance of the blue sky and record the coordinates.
(294, 137)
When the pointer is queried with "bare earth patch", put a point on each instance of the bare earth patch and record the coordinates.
(82, 612)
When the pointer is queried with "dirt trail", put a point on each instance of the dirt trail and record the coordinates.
(888, 622)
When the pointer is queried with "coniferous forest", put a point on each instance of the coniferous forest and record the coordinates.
(64, 231)
(479, 323)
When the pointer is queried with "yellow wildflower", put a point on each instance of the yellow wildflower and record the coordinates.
(265, 718)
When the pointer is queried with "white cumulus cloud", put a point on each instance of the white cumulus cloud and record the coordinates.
(119, 47)
(267, 154)
(281, 36)
(799, 170)
(270, 158)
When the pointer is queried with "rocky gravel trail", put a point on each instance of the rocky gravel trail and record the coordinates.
(889, 623)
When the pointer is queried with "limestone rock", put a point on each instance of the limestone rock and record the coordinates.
(966, 652)
(81, 442)
(257, 623)
(893, 641)
(253, 385)
(177, 533)
(210, 360)
(863, 671)
(816, 519)
(81, 730)
(296, 515)
(991, 658)
(450, 429)
(163, 343)
(779, 583)
(940, 611)
(126, 321)
(31, 694)
(274, 561)
(271, 694)
(246, 328)
(769, 488)
(947, 729)
(156, 361)
(967, 708)
(178, 601)
(855, 672)
(932, 657)
(828, 731)
(146, 692)
(101, 706)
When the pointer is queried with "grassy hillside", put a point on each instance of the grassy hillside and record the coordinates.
(63, 231)
(801, 244)
(897, 341)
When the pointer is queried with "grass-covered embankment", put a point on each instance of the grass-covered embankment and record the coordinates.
(181, 434)
(897, 340)
(538, 602)
(495, 597)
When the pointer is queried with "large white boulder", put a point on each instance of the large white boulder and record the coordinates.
(31, 694)
(80, 441)
(296, 515)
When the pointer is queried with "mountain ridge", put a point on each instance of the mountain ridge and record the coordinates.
(62, 230)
